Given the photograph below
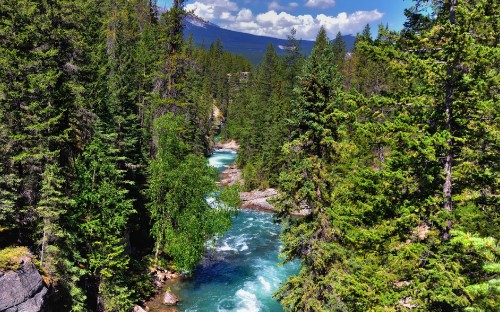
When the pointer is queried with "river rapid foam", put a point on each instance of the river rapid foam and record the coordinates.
(242, 270)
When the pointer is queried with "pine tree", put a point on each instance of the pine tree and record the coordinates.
(52, 205)
(100, 216)
(387, 238)
(306, 184)
(339, 50)
(41, 91)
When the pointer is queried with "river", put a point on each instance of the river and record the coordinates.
(242, 272)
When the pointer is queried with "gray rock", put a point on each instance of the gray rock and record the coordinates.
(257, 199)
(257, 194)
(231, 176)
(170, 299)
(22, 290)
(138, 308)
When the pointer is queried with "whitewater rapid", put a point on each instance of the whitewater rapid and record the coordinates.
(242, 270)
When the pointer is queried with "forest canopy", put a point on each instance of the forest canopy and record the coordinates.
(107, 116)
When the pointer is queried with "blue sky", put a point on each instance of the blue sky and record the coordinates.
(276, 18)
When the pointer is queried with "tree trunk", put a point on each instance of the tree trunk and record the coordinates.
(447, 186)
(44, 242)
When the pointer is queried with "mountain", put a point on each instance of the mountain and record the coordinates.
(249, 46)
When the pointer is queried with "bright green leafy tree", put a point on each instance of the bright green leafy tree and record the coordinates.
(179, 185)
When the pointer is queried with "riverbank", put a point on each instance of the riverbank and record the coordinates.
(240, 271)
(231, 145)
(255, 199)
(260, 200)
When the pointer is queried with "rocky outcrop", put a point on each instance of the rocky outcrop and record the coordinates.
(259, 200)
(231, 176)
(161, 275)
(256, 199)
(22, 290)
(232, 145)
(138, 308)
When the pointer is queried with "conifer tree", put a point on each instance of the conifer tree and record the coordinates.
(383, 241)
(306, 184)
(339, 50)
(52, 205)
(40, 88)
(100, 216)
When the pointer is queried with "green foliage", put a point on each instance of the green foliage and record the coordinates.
(81, 84)
(10, 257)
(229, 196)
(339, 50)
(179, 184)
(486, 293)
(106, 111)
(101, 212)
(373, 160)
(52, 205)
(259, 117)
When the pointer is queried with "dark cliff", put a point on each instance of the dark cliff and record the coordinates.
(22, 290)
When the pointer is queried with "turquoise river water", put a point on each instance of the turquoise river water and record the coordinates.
(242, 272)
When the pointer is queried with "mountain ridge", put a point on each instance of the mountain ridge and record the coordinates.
(252, 47)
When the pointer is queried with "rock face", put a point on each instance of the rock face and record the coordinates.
(231, 176)
(232, 145)
(258, 199)
(161, 275)
(22, 290)
(138, 309)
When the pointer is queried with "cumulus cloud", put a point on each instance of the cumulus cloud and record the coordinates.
(275, 24)
(348, 23)
(320, 4)
(245, 15)
(228, 15)
(212, 9)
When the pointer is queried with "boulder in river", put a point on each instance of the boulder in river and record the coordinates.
(170, 299)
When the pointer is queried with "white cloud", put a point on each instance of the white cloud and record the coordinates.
(321, 4)
(226, 14)
(348, 23)
(245, 15)
(275, 24)
(212, 9)
(274, 5)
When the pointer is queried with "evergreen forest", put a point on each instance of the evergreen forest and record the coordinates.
(108, 112)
